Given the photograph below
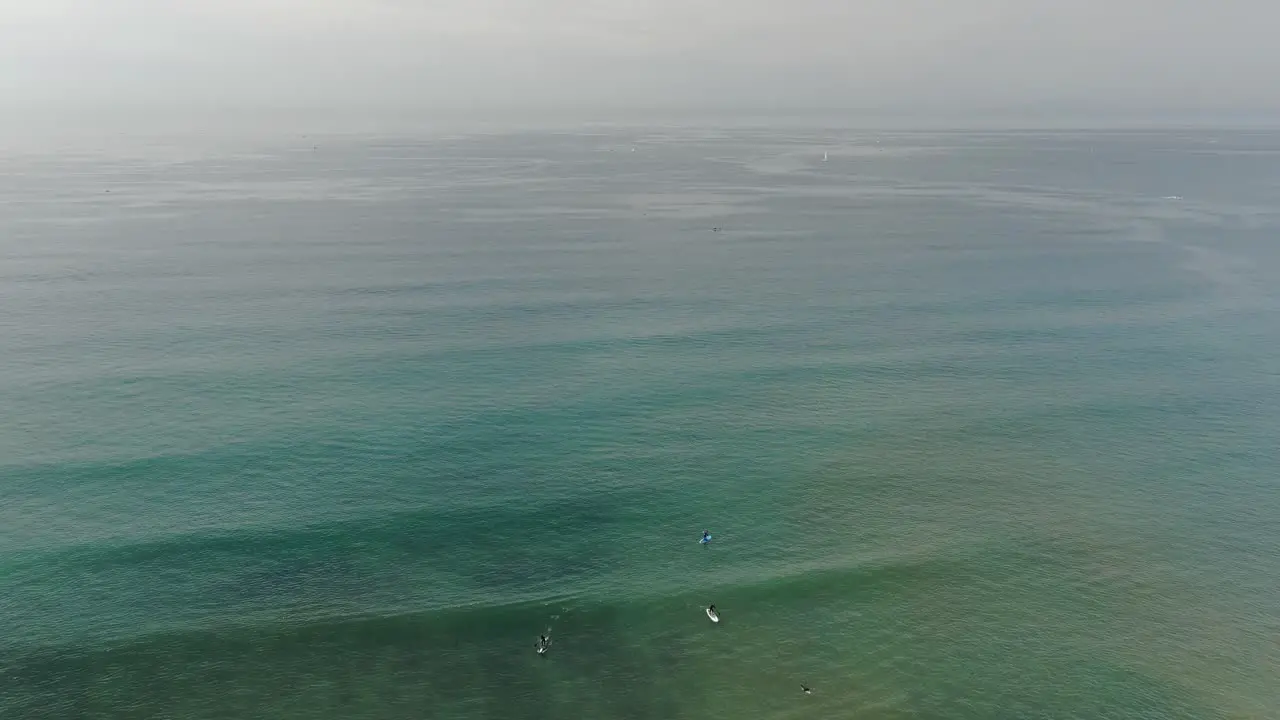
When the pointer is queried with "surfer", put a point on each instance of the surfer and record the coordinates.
(807, 691)
(706, 536)
(544, 642)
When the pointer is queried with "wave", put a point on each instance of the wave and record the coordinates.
(495, 613)
(423, 558)
(856, 633)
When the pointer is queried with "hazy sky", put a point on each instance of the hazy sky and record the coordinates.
(428, 55)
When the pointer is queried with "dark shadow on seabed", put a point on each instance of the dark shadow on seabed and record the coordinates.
(477, 664)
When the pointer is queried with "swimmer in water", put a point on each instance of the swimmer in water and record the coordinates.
(807, 691)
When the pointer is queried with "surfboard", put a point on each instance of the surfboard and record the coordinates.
(704, 540)
(715, 617)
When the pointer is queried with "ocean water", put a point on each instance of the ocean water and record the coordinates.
(984, 426)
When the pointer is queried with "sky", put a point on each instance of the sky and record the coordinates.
(78, 60)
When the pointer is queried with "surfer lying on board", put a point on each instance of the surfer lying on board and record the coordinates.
(706, 537)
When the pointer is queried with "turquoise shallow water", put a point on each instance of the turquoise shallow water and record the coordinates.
(983, 425)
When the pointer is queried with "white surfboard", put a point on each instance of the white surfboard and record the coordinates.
(715, 617)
